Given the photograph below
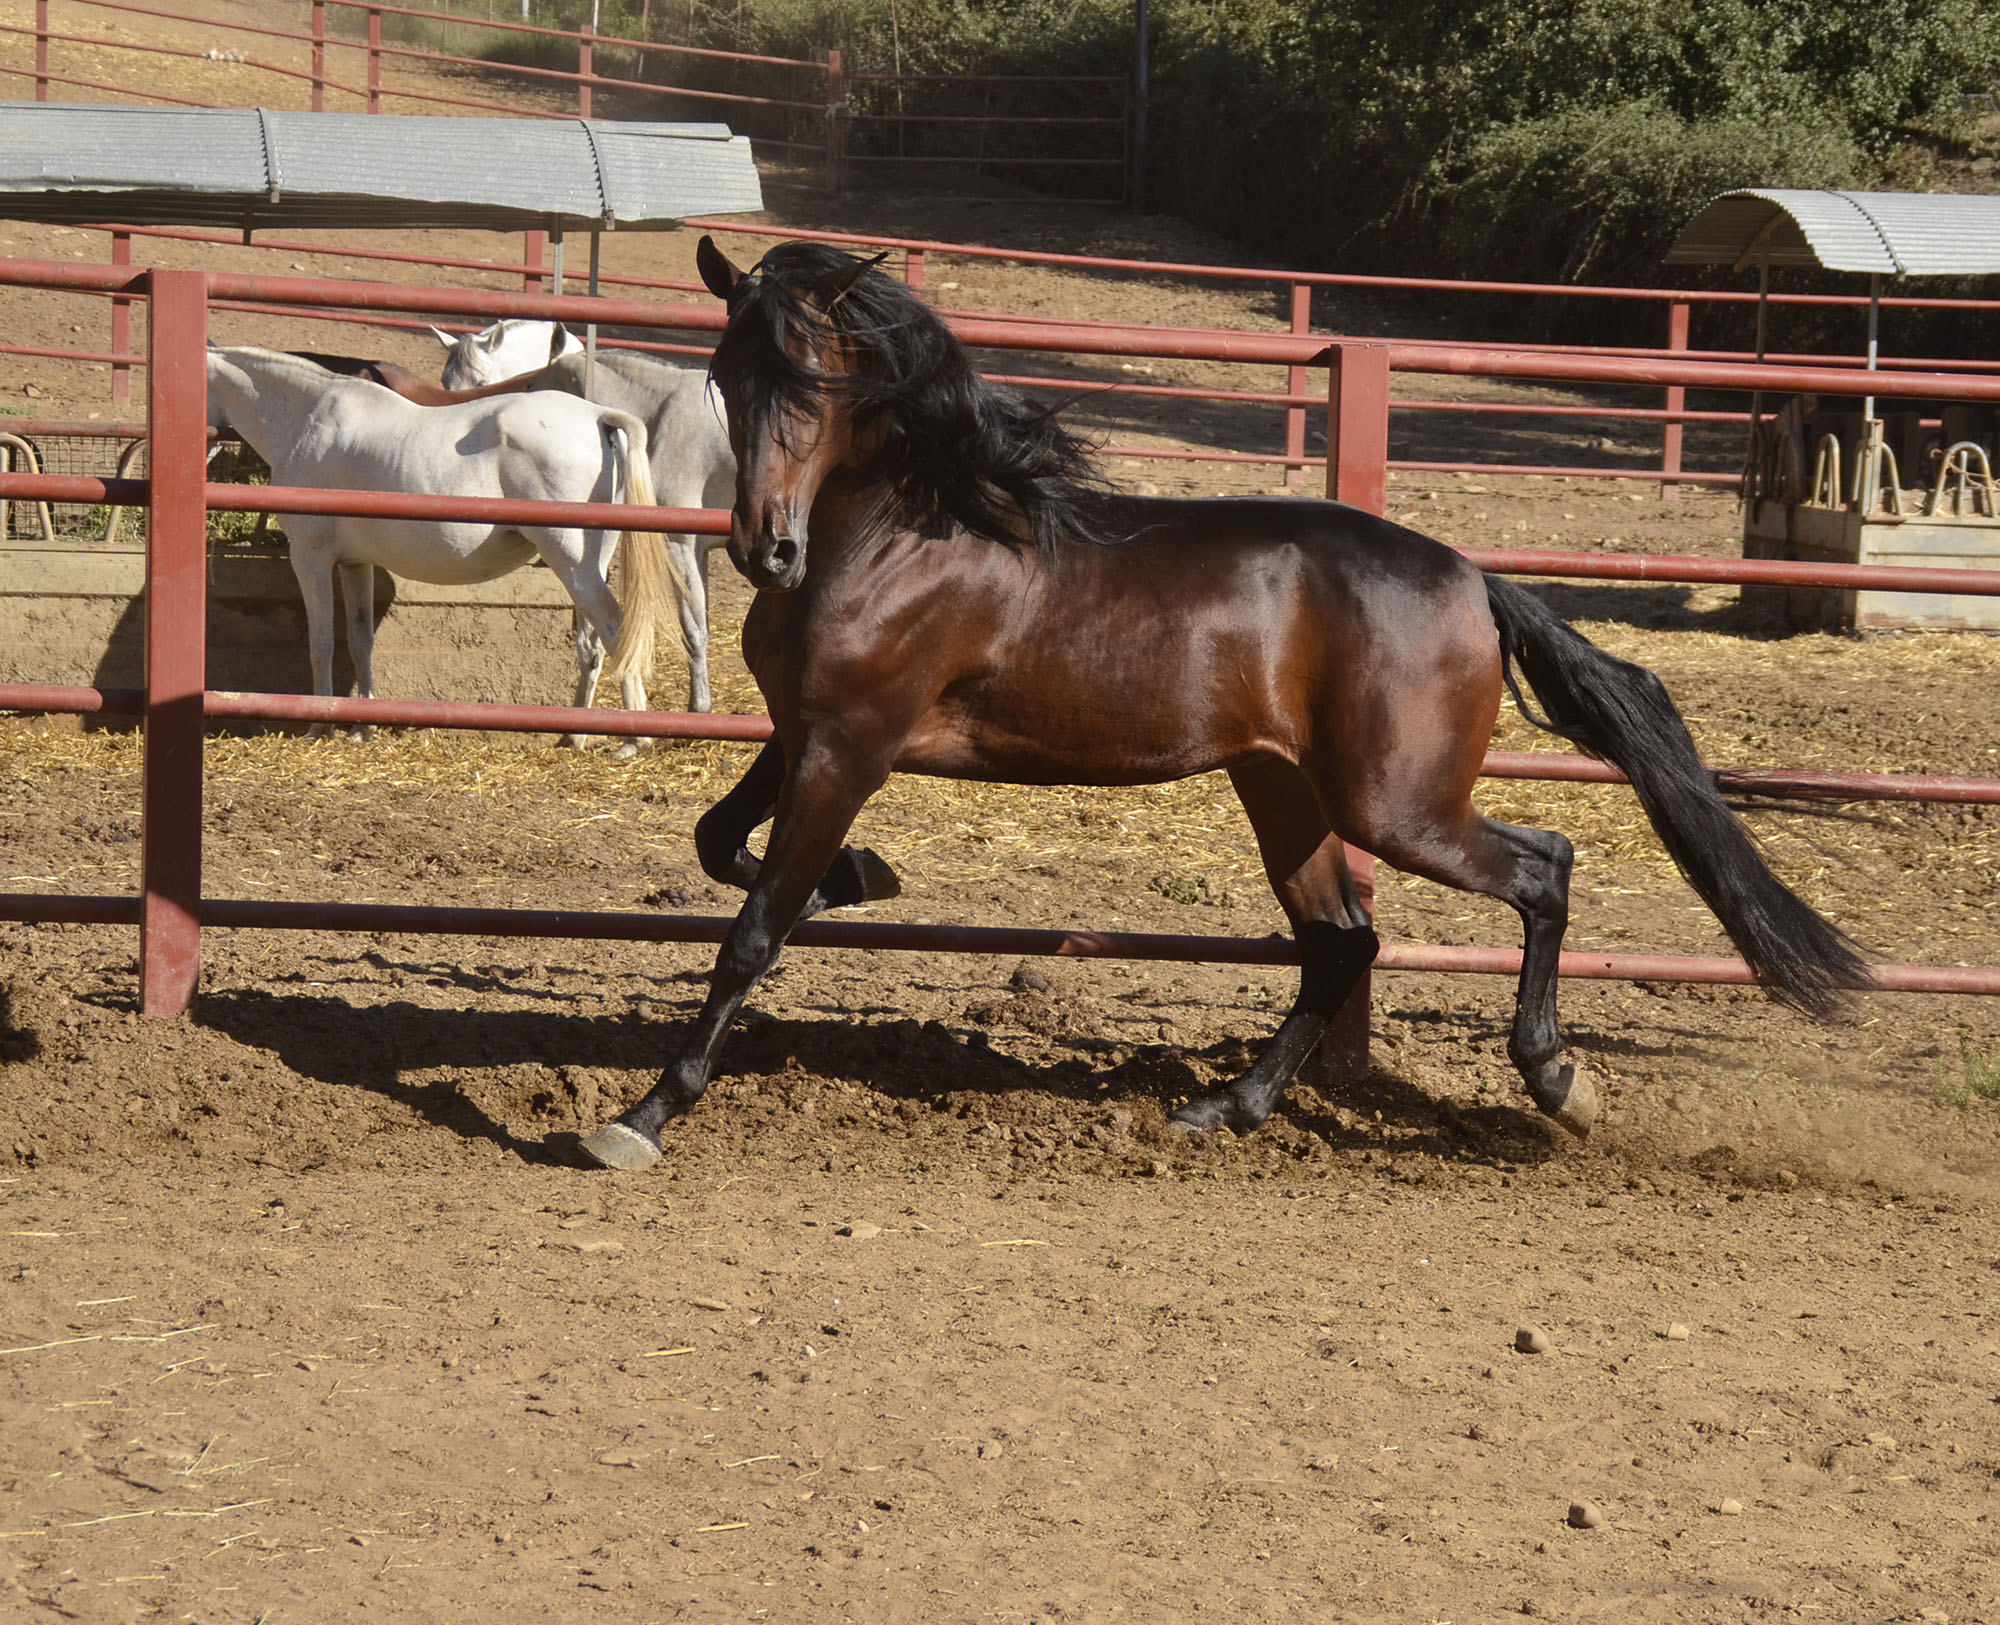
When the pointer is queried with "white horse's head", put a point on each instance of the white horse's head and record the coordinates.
(505, 350)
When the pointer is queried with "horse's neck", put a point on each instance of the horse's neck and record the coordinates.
(268, 403)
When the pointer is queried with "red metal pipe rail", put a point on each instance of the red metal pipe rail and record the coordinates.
(171, 911)
(1332, 279)
(227, 705)
(882, 936)
(715, 522)
(1275, 349)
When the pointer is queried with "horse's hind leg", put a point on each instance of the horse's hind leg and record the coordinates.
(1529, 870)
(1303, 859)
(722, 842)
(589, 668)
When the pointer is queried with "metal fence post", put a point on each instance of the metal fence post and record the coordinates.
(41, 50)
(176, 609)
(1357, 473)
(1295, 384)
(583, 69)
(374, 60)
(1671, 438)
(121, 324)
(913, 267)
(319, 55)
(836, 124)
(532, 243)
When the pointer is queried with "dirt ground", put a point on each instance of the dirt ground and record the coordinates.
(308, 1315)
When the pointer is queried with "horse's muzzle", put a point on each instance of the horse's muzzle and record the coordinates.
(775, 561)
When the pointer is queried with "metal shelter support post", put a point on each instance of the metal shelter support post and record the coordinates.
(1142, 89)
(1357, 473)
(1673, 435)
(1757, 395)
(1874, 336)
(590, 328)
(176, 609)
(41, 50)
(836, 125)
(1868, 455)
(121, 324)
(556, 258)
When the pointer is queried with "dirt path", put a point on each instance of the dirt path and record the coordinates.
(306, 1316)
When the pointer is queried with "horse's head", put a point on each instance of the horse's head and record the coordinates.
(786, 369)
(505, 350)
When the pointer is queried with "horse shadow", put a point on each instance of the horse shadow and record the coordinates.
(255, 642)
(376, 1049)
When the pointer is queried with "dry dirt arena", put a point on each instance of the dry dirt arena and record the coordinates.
(307, 1315)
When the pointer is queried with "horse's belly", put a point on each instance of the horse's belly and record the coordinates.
(1067, 750)
(443, 555)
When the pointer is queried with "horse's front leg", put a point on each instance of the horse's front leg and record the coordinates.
(722, 842)
(817, 803)
(357, 594)
(690, 555)
(313, 568)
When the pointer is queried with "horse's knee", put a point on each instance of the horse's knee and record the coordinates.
(718, 846)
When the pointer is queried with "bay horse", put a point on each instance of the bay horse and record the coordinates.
(945, 587)
(317, 427)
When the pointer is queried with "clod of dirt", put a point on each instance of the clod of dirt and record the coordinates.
(1531, 1340)
(1676, 1333)
(860, 1231)
(1585, 1515)
(1029, 978)
(1729, 1507)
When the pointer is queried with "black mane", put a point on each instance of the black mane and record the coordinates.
(957, 448)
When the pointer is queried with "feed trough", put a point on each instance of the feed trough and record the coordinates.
(1831, 480)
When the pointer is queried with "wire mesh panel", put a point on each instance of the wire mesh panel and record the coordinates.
(92, 456)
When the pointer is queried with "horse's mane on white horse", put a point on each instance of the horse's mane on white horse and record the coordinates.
(316, 427)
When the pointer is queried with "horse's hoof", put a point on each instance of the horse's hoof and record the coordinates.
(626, 751)
(1200, 1117)
(1571, 1100)
(616, 1146)
(879, 882)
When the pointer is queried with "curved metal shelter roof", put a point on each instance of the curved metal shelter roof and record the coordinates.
(1885, 233)
(77, 163)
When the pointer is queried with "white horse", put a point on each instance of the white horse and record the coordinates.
(693, 466)
(507, 349)
(318, 428)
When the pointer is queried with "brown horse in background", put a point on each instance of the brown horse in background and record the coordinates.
(945, 587)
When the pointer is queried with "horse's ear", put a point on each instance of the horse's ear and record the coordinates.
(448, 340)
(558, 342)
(855, 275)
(717, 274)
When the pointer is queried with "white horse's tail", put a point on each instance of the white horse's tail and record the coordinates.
(649, 581)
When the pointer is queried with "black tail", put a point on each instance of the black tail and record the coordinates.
(1621, 713)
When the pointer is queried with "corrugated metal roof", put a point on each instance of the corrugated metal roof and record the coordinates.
(1889, 233)
(89, 163)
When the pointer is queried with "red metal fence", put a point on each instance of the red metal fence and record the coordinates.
(1296, 399)
(816, 104)
(171, 910)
